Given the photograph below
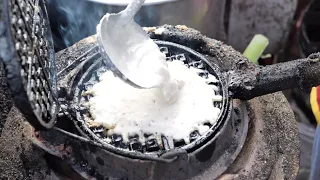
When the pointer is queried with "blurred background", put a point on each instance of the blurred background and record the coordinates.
(292, 27)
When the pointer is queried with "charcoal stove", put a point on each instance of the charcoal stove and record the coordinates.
(157, 157)
(55, 110)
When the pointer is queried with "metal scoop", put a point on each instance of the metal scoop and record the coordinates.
(124, 44)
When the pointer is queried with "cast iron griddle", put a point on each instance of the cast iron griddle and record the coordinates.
(154, 143)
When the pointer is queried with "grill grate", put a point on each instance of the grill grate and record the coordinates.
(153, 143)
(33, 48)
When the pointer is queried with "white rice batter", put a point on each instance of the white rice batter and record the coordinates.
(127, 111)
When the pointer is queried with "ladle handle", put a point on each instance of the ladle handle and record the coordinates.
(132, 9)
(249, 82)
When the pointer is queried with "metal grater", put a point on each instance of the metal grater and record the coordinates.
(29, 60)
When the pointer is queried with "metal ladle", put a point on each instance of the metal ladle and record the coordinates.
(120, 40)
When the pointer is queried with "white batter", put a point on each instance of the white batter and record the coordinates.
(126, 110)
(136, 55)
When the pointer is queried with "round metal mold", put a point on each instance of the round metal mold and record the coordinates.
(133, 148)
(28, 57)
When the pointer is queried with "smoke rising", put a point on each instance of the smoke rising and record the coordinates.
(73, 20)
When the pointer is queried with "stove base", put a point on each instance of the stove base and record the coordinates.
(271, 150)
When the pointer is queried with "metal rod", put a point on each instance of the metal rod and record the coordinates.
(247, 83)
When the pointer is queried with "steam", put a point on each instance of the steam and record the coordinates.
(73, 20)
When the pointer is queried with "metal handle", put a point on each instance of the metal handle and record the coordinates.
(249, 81)
(132, 9)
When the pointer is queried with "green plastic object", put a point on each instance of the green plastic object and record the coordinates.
(256, 47)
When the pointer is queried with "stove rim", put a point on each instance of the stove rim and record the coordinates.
(203, 141)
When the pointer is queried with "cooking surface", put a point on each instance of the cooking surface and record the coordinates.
(266, 147)
(126, 110)
(281, 125)
(157, 142)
